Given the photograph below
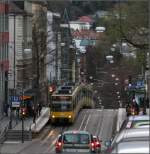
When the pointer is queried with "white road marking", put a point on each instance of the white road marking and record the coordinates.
(82, 122)
(52, 147)
(87, 122)
(99, 123)
(99, 110)
(12, 142)
(48, 136)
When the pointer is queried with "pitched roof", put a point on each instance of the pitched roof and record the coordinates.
(86, 19)
(85, 34)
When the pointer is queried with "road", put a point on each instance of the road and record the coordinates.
(97, 121)
(111, 79)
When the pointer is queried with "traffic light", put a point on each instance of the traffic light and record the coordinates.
(23, 112)
(51, 89)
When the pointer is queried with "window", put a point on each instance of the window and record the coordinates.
(76, 139)
(61, 107)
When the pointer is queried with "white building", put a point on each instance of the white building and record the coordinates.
(20, 38)
(53, 58)
(80, 48)
(4, 62)
(79, 25)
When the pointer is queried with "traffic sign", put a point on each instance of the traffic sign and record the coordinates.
(15, 104)
(15, 101)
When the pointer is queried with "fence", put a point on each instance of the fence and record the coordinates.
(3, 133)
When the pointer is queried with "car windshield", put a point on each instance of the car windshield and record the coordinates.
(137, 124)
(76, 139)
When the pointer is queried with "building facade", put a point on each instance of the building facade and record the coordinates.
(20, 45)
(53, 59)
(4, 62)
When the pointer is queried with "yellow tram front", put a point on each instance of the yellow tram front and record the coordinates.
(62, 109)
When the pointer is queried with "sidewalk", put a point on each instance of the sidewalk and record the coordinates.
(28, 121)
(6, 120)
(14, 148)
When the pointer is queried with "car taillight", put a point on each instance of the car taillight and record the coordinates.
(58, 144)
(97, 144)
(92, 144)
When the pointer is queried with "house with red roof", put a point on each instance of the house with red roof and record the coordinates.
(84, 22)
(84, 38)
(86, 19)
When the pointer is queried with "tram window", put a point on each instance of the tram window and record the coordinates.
(61, 107)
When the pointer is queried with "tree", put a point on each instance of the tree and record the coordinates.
(129, 22)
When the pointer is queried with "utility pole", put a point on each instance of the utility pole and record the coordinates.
(56, 56)
(120, 26)
(22, 103)
(14, 52)
(22, 116)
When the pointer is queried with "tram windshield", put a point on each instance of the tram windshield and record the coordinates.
(62, 106)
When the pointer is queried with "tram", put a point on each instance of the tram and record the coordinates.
(67, 101)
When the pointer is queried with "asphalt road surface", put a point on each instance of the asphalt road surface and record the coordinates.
(97, 121)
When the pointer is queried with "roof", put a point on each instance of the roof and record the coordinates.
(86, 19)
(132, 133)
(75, 131)
(85, 34)
(133, 147)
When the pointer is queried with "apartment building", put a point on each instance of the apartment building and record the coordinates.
(4, 62)
(20, 46)
(53, 61)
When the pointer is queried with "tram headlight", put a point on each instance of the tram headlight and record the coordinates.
(69, 116)
(53, 116)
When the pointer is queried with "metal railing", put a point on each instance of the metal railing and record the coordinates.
(3, 133)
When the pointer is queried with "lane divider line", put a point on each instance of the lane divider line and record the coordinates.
(87, 122)
(82, 122)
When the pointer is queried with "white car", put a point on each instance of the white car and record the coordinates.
(128, 134)
(129, 147)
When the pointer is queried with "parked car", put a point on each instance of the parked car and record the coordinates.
(131, 146)
(130, 134)
(75, 142)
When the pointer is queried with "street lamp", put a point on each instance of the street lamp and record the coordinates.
(113, 75)
(117, 79)
(91, 77)
(92, 84)
(118, 92)
(95, 91)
